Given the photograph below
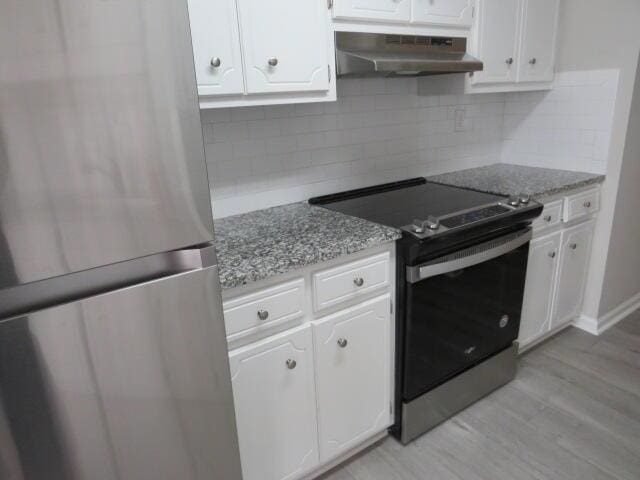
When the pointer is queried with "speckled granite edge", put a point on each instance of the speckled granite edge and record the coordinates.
(257, 245)
(507, 179)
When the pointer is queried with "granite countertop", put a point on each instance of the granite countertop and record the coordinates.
(260, 244)
(506, 179)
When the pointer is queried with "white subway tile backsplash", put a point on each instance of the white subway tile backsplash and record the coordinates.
(568, 127)
(382, 130)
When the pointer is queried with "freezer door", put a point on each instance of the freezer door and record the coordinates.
(101, 147)
(129, 385)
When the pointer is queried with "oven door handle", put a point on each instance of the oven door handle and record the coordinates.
(469, 256)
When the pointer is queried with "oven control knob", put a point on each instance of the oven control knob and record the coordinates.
(431, 223)
(513, 201)
(504, 321)
(524, 199)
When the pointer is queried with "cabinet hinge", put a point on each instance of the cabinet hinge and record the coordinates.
(329, 4)
(391, 306)
(473, 12)
(329, 72)
(391, 408)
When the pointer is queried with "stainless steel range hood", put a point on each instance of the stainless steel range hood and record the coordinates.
(376, 54)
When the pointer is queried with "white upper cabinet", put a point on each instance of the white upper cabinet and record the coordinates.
(353, 372)
(539, 30)
(516, 40)
(544, 254)
(379, 10)
(274, 395)
(285, 45)
(443, 12)
(574, 262)
(497, 36)
(216, 47)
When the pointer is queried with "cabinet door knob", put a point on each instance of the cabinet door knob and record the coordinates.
(359, 281)
(533, 61)
(504, 321)
(547, 218)
(215, 62)
(587, 204)
(510, 61)
(552, 254)
(342, 342)
(273, 61)
(291, 364)
(573, 246)
(263, 314)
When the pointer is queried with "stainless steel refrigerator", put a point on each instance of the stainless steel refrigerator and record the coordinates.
(113, 359)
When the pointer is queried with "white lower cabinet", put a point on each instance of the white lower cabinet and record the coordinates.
(572, 275)
(556, 278)
(542, 269)
(353, 374)
(274, 395)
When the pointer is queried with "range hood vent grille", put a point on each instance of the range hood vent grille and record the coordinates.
(371, 54)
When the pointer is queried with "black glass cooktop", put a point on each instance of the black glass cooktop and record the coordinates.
(399, 204)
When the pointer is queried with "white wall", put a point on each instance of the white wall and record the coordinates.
(597, 35)
(622, 273)
(378, 131)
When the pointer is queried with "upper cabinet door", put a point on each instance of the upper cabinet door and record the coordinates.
(443, 12)
(285, 45)
(496, 40)
(353, 375)
(538, 40)
(216, 46)
(382, 10)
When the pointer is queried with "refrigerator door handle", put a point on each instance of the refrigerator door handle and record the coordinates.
(76, 286)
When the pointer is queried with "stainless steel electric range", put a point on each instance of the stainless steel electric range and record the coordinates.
(461, 269)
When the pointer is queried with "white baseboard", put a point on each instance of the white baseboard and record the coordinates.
(586, 323)
(609, 319)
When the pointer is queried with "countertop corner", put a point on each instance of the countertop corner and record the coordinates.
(508, 179)
(273, 241)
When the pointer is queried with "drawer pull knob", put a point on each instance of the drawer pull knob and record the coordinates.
(533, 61)
(291, 364)
(587, 204)
(342, 342)
(552, 254)
(273, 61)
(358, 281)
(215, 62)
(504, 321)
(510, 61)
(547, 218)
(573, 246)
(263, 314)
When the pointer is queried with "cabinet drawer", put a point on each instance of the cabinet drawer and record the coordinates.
(581, 205)
(551, 216)
(264, 309)
(348, 281)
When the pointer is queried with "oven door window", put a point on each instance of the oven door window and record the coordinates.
(457, 319)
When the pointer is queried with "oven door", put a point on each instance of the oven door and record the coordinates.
(461, 309)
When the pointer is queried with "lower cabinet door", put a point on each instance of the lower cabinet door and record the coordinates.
(274, 395)
(353, 360)
(542, 269)
(574, 263)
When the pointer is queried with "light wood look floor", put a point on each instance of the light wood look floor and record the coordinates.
(572, 413)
